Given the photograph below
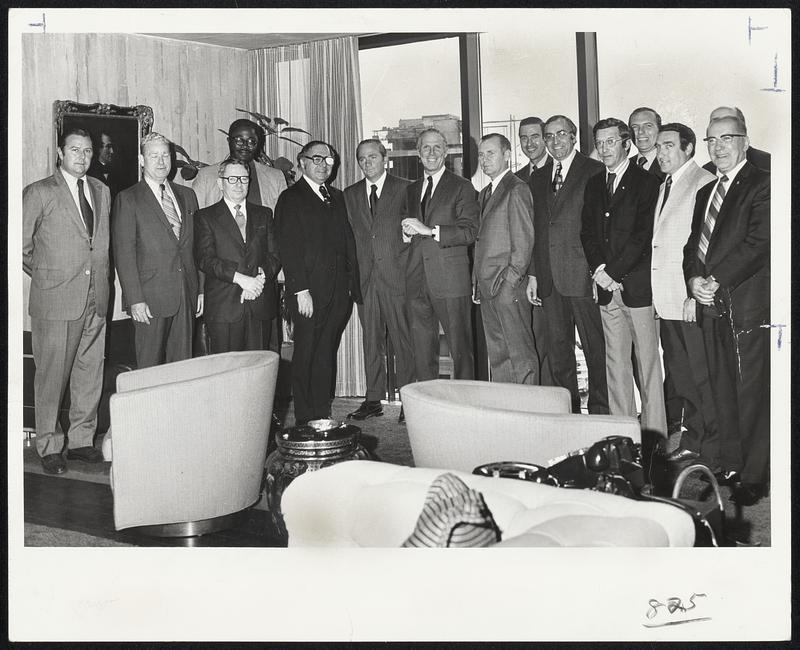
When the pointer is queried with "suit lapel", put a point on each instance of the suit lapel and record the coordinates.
(149, 199)
(622, 186)
(729, 203)
(441, 190)
(229, 225)
(68, 199)
(97, 199)
(566, 187)
(363, 203)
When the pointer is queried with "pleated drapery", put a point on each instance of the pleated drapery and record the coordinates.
(316, 86)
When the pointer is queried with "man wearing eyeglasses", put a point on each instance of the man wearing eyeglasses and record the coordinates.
(318, 252)
(153, 238)
(558, 275)
(376, 205)
(617, 229)
(235, 247)
(756, 157)
(727, 269)
(244, 141)
(442, 223)
(643, 125)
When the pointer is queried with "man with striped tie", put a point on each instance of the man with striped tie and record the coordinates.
(727, 271)
(153, 236)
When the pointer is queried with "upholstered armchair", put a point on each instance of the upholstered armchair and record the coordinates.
(460, 424)
(189, 440)
(370, 504)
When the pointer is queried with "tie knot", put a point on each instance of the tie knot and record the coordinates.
(374, 187)
(611, 176)
(641, 161)
(237, 207)
(669, 179)
(430, 180)
(80, 183)
(724, 178)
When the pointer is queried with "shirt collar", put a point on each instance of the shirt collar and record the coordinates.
(498, 178)
(621, 168)
(156, 187)
(542, 162)
(565, 164)
(231, 206)
(681, 170)
(435, 176)
(378, 183)
(314, 186)
(650, 156)
(72, 182)
(733, 172)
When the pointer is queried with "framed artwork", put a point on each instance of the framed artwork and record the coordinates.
(116, 132)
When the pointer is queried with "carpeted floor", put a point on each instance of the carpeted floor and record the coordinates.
(36, 535)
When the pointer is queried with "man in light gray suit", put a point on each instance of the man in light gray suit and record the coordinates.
(681, 337)
(502, 255)
(65, 252)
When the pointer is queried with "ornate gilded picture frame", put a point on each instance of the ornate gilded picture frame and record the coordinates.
(116, 132)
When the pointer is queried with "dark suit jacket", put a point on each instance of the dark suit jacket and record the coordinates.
(105, 175)
(382, 254)
(739, 248)
(505, 239)
(57, 252)
(654, 169)
(220, 252)
(755, 157)
(315, 242)
(558, 258)
(619, 234)
(454, 208)
(153, 265)
(524, 174)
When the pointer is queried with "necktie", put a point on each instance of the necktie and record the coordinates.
(610, 184)
(253, 190)
(240, 220)
(711, 218)
(641, 161)
(667, 185)
(169, 209)
(426, 198)
(373, 199)
(325, 195)
(486, 196)
(86, 209)
(558, 180)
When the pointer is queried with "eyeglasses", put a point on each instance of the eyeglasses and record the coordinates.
(318, 160)
(561, 135)
(250, 142)
(725, 138)
(232, 180)
(609, 142)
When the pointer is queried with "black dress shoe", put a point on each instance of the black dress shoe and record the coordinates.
(680, 455)
(86, 454)
(366, 410)
(747, 494)
(402, 418)
(728, 477)
(53, 464)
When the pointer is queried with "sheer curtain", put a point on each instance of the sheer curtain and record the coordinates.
(315, 86)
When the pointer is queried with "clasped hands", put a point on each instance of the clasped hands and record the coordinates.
(251, 286)
(703, 289)
(413, 226)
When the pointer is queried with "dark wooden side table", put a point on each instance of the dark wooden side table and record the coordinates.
(304, 449)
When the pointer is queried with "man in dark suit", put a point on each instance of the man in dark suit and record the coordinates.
(102, 167)
(153, 238)
(65, 253)
(617, 228)
(317, 249)
(643, 125)
(558, 276)
(755, 157)
(376, 205)
(531, 139)
(726, 264)
(502, 254)
(442, 223)
(235, 247)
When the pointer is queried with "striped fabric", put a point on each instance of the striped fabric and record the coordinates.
(453, 516)
(711, 218)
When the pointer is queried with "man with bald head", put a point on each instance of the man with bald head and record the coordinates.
(756, 157)
(727, 271)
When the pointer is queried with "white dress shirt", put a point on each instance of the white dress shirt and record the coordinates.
(156, 188)
(565, 165)
(72, 184)
(378, 185)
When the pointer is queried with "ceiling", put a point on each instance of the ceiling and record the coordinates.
(250, 41)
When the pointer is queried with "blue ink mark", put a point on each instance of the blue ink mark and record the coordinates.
(42, 24)
(775, 88)
(780, 327)
(751, 28)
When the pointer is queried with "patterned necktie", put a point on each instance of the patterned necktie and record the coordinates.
(325, 195)
(610, 184)
(241, 221)
(486, 196)
(558, 180)
(711, 219)
(426, 198)
(86, 209)
(641, 161)
(172, 214)
(667, 185)
(253, 190)
(373, 199)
